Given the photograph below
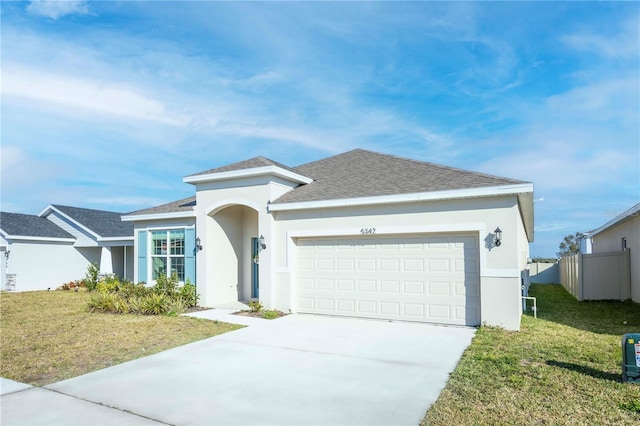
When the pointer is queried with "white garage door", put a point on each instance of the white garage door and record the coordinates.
(427, 278)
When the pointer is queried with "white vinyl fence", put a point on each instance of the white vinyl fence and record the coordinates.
(599, 276)
(544, 273)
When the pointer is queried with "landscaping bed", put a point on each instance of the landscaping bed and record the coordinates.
(562, 368)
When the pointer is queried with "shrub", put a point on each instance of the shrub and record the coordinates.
(131, 291)
(91, 278)
(176, 306)
(166, 285)
(110, 284)
(255, 306)
(270, 314)
(108, 302)
(72, 285)
(155, 304)
(189, 294)
(166, 297)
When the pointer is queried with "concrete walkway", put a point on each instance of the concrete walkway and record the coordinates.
(299, 369)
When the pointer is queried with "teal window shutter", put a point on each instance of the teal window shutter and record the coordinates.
(142, 256)
(190, 255)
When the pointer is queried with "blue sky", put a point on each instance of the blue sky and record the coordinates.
(109, 104)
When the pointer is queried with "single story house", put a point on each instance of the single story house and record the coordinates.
(620, 233)
(358, 234)
(46, 250)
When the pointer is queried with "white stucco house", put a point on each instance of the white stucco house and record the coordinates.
(620, 233)
(44, 251)
(358, 234)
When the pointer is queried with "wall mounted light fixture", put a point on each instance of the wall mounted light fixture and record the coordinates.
(198, 244)
(262, 244)
(498, 239)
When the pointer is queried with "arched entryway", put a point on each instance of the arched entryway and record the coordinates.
(232, 271)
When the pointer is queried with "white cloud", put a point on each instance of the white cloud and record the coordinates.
(55, 9)
(125, 201)
(87, 95)
(623, 45)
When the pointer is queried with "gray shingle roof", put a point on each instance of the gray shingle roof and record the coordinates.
(252, 163)
(184, 205)
(27, 225)
(104, 223)
(362, 173)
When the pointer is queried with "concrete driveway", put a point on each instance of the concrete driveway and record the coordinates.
(296, 370)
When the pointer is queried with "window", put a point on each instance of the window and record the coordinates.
(167, 253)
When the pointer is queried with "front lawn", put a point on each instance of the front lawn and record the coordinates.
(48, 336)
(562, 368)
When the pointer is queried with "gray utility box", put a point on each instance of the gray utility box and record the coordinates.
(631, 358)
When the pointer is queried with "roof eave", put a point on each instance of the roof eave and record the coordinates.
(525, 203)
(32, 238)
(159, 216)
(111, 239)
(257, 171)
(490, 191)
(632, 212)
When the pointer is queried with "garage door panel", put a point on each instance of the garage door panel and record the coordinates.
(413, 265)
(420, 278)
(390, 286)
(414, 288)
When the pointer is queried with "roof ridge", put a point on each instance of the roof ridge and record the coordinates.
(414, 161)
(261, 161)
(85, 208)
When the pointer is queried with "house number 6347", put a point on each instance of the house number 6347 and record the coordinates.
(366, 231)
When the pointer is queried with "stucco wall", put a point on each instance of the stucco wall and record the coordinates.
(39, 265)
(236, 208)
(611, 240)
(500, 266)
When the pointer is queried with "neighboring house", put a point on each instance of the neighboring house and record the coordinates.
(620, 233)
(359, 234)
(56, 246)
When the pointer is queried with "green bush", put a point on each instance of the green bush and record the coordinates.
(189, 294)
(166, 297)
(255, 306)
(271, 314)
(155, 304)
(176, 307)
(109, 284)
(168, 286)
(108, 302)
(91, 278)
(131, 291)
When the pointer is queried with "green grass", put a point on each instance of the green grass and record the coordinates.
(562, 368)
(48, 336)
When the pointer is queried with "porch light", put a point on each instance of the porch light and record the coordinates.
(198, 244)
(262, 243)
(498, 233)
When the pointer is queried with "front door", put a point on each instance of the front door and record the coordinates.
(255, 253)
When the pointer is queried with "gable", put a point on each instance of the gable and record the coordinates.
(102, 223)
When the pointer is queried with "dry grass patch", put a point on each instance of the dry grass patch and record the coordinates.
(48, 336)
(563, 368)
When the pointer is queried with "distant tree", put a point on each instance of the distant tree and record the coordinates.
(570, 244)
(544, 260)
